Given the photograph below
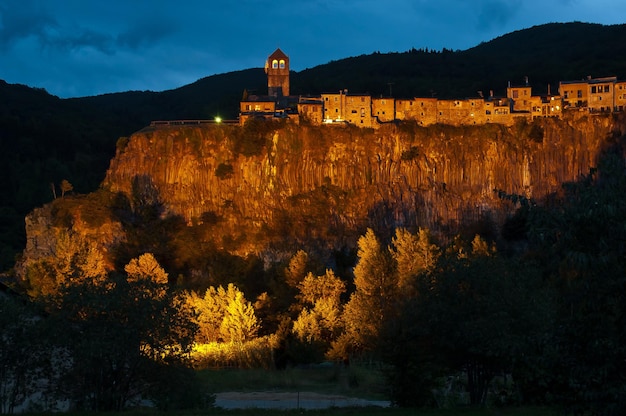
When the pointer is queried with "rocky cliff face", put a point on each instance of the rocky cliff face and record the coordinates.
(402, 175)
(291, 185)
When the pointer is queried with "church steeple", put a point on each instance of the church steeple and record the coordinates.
(277, 70)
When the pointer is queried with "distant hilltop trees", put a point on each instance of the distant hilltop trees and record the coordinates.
(594, 95)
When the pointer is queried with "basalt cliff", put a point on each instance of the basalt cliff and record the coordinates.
(271, 188)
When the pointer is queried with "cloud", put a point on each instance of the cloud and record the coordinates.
(18, 23)
(80, 38)
(146, 33)
(31, 21)
(496, 14)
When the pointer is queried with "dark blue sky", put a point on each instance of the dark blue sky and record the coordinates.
(87, 47)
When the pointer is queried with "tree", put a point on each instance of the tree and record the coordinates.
(239, 324)
(75, 259)
(146, 267)
(223, 314)
(580, 239)
(116, 336)
(484, 314)
(414, 254)
(296, 271)
(374, 298)
(320, 319)
(66, 187)
(22, 352)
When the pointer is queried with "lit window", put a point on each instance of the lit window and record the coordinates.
(282, 64)
(274, 64)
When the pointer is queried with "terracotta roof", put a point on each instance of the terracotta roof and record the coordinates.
(278, 54)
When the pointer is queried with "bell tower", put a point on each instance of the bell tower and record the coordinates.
(277, 70)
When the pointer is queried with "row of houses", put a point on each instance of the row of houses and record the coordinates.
(343, 107)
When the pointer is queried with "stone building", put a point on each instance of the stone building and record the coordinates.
(520, 97)
(574, 94)
(311, 109)
(277, 104)
(277, 70)
(620, 96)
(383, 109)
(591, 94)
(461, 112)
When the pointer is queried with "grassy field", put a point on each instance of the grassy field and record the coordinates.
(354, 381)
(525, 411)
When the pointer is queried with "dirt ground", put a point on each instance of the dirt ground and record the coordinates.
(282, 400)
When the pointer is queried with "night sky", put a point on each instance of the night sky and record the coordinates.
(76, 48)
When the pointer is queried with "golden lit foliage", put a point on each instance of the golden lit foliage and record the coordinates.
(481, 248)
(375, 296)
(223, 314)
(75, 259)
(320, 319)
(145, 267)
(255, 353)
(313, 288)
(414, 254)
(296, 271)
(239, 323)
(374, 274)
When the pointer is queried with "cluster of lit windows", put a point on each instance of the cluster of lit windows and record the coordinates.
(600, 88)
(278, 64)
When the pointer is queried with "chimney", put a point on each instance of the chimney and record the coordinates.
(526, 80)
(490, 93)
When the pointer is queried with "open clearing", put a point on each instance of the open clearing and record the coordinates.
(290, 400)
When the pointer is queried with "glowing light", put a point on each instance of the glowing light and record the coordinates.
(218, 119)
